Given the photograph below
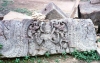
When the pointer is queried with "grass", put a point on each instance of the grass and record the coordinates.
(35, 59)
(56, 60)
(5, 7)
(53, 58)
(47, 54)
(98, 40)
(5, 3)
(87, 56)
(24, 11)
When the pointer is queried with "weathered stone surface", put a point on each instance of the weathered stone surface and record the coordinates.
(14, 37)
(91, 11)
(74, 9)
(82, 34)
(28, 37)
(53, 12)
(95, 1)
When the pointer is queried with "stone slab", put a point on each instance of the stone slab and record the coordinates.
(53, 12)
(95, 1)
(91, 11)
(28, 37)
(14, 38)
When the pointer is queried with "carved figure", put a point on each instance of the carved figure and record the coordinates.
(46, 38)
(60, 28)
(32, 34)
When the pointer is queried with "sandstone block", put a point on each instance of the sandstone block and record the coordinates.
(53, 12)
(29, 37)
(95, 1)
(91, 11)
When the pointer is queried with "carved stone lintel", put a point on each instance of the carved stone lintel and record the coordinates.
(28, 37)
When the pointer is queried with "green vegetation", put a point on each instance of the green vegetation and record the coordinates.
(17, 60)
(98, 40)
(47, 54)
(64, 54)
(39, 61)
(5, 7)
(1, 61)
(6, 2)
(57, 61)
(1, 48)
(24, 11)
(87, 56)
(27, 57)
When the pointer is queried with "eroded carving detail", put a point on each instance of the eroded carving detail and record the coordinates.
(33, 37)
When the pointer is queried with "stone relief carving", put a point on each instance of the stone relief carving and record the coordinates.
(32, 37)
(56, 36)
(50, 35)
(48, 31)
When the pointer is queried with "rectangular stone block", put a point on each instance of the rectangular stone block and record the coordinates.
(28, 37)
(53, 12)
(82, 34)
(95, 1)
(91, 11)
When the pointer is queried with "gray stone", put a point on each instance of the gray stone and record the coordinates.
(14, 38)
(53, 12)
(95, 1)
(42, 51)
(54, 36)
(91, 11)
(65, 45)
(82, 34)
(33, 48)
(67, 50)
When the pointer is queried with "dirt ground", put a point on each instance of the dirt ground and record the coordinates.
(38, 5)
(66, 6)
